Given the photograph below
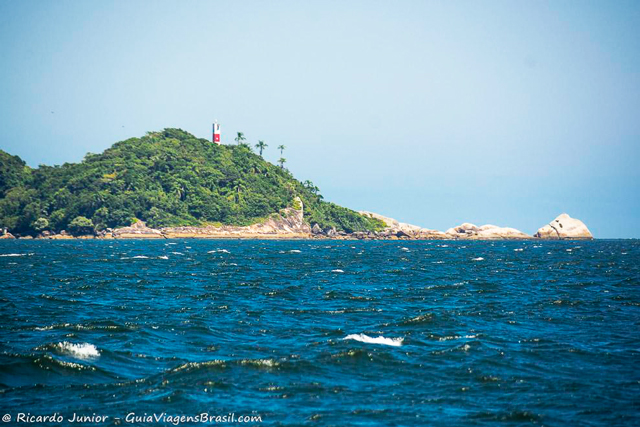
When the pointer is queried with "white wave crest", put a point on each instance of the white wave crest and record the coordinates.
(219, 250)
(163, 257)
(269, 363)
(294, 251)
(478, 259)
(337, 271)
(81, 350)
(395, 342)
(2, 255)
(456, 337)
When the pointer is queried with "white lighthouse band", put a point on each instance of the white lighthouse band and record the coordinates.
(216, 133)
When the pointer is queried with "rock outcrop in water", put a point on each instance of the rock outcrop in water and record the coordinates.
(399, 229)
(463, 231)
(485, 232)
(564, 227)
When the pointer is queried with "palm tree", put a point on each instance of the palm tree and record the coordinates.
(240, 138)
(281, 148)
(261, 146)
(309, 185)
(282, 161)
(180, 191)
(238, 187)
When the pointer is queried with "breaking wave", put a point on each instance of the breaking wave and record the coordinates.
(79, 350)
(395, 342)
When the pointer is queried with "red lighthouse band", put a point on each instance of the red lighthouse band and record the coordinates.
(216, 133)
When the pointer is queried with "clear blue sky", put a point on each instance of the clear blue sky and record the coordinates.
(435, 113)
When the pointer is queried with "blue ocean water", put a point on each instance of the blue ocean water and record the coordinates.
(337, 333)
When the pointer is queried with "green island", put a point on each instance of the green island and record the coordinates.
(168, 178)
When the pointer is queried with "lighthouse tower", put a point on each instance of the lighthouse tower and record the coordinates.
(216, 133)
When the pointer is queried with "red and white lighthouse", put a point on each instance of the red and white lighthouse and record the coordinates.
(216, 133)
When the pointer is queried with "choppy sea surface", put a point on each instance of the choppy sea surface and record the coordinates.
(337, 333)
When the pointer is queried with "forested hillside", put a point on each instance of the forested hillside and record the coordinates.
(166, 178)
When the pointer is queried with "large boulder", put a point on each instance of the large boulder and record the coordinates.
(63, 235)
(4, 234)
(564, 227)
(331, 232)
(495, 232)
(138, 230)
(463, 230)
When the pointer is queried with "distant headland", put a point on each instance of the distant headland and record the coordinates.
(170, 184)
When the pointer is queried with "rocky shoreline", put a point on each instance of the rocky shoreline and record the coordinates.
(561, 228)
(290, 224)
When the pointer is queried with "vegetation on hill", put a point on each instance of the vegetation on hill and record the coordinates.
(167, 178)
(13, 172)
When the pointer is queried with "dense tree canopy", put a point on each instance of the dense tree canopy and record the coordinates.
(13, 172)
(166, 178)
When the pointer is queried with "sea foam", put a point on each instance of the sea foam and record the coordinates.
(81, 350)
(395, 342)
